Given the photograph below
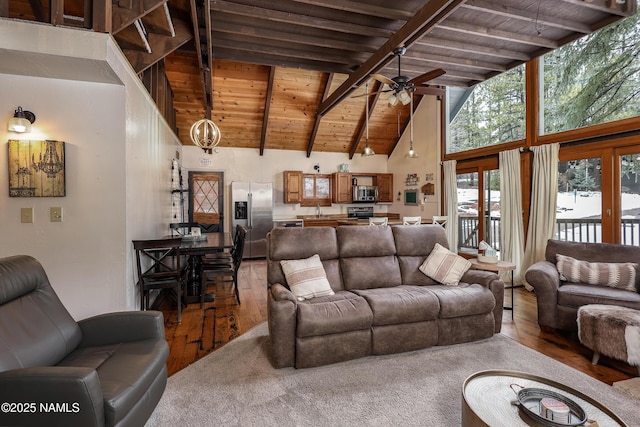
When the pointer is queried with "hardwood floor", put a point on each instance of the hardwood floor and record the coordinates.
(206, 329)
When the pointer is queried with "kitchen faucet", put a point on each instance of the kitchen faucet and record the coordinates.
(318, 211)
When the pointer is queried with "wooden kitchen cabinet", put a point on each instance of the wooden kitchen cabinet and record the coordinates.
(316, 190)
(292, 186)
(384, 181)
(342, 191)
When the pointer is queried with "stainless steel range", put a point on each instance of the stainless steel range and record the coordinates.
(360, 212)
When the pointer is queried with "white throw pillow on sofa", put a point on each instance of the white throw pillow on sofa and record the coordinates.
(444, 266)
(621, 275)
(306, 277)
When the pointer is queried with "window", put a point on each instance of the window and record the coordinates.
(492, 112)
(478, 217)
(629, 166)
(579, 202)
(593, 80)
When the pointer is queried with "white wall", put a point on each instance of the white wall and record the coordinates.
(426, 143)
(243, 164)
(118, 152)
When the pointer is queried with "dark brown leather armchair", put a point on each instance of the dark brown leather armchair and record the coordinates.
(108, 370)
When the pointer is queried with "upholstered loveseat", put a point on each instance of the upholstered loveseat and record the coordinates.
(107, 370)
(380, 301)
(559, 300)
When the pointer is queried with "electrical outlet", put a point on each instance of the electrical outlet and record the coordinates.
(55, 214)
(26, 215)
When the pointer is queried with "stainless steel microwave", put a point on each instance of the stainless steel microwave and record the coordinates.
(365, 193)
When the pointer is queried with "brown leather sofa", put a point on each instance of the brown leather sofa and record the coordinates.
(558, 302)
(382, 304)
(108, 370)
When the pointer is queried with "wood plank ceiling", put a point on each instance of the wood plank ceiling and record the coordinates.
(286, 74)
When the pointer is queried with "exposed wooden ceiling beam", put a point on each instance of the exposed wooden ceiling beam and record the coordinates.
(603, 6)
(362, 127)
(159, 21)
(317, 119)
(434, 12)
(122, 17)
(160, 45)
(288, 49)
(469, 47)
(208, 51)
(267, 104)
(223, 6)
(233, 53)
(449, 60)
(532, 16)
(479, 31)
(346, 42)
(195, 22)
(361, 8)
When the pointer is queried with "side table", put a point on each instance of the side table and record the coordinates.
(496, 268)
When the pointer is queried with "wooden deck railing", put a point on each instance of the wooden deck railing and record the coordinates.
(588, 230)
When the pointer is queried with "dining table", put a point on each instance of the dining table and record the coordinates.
(194, 248)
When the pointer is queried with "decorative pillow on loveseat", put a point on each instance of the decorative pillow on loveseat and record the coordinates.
(306, 277)
(444, 266)
(616, 275)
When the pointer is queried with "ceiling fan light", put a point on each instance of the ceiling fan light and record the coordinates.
(393, 100)
(404, 97)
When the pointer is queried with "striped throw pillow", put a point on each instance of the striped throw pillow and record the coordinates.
(444, 266)
(620, 275)
(306, 277)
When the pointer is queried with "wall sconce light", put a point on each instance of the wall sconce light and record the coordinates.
(21, 121)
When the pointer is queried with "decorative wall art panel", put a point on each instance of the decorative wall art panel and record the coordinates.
(36, 168)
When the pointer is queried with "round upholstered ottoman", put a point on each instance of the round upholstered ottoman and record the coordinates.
(610, 330)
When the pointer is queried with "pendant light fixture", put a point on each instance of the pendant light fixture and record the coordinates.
(367, 150)
(411, 154)
(205, 134)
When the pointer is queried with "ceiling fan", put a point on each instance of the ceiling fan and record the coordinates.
(401, 85)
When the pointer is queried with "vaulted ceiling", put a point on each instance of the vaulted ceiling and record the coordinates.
(291, 74)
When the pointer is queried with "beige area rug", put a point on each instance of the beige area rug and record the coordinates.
(630, 387)
(237, 386)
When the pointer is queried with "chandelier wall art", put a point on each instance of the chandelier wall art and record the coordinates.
(36, 169)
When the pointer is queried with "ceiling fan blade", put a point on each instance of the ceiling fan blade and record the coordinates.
(371, 93)
(429, 90)
(383, 79)
(423, 78)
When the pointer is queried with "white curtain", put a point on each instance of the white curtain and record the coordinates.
(451, 203)
(544, 192)
(511, 225)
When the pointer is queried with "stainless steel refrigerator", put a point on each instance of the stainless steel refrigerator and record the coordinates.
(252, 208)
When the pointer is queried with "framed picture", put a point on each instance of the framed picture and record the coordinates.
(36, 168)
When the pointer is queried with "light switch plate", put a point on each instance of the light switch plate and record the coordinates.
(26, 215)
(55, 214)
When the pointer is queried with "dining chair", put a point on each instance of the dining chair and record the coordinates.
(411, 220)
(221, 267)
(159, 267)
(441, 220)
(378, 220)
(182, 228)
